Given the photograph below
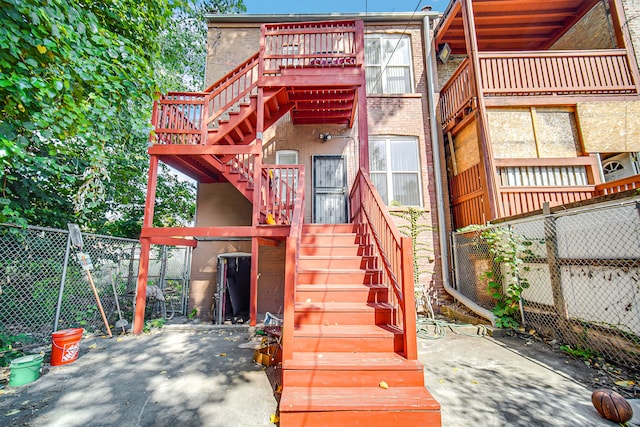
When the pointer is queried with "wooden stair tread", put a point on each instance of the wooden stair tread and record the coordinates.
(340, 257)
(341, 306)
(363, 361)
(356, 331)
(338, 270)
(296, 399)
(339, 286)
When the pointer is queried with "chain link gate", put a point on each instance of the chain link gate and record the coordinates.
(580, 271)
(43, 287)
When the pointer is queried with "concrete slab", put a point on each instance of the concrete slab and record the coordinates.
(184, 378)
(204, 376)
(483, 382)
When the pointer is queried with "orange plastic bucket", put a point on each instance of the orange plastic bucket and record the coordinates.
(65, 346)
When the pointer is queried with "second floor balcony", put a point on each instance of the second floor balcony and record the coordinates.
(534, 53)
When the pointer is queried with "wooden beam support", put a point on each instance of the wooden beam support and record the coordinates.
(171, 241)
(201, 150)
(486, 152)
(143, 265)
(141, 293)
(623, 38)
(262, 241)
(363, 125)
(253, 293)
(266, 231)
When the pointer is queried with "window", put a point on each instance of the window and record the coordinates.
(388, 63)
(287, 157)
(395, 169)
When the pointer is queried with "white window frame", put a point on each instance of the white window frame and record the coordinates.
(291, 180)
(383, 66)
(388, 141)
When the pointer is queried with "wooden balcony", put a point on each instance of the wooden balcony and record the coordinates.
(551, 74)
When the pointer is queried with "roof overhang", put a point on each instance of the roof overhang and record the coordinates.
(367, 17)
(506, 25)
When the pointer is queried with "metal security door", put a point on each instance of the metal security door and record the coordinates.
(329, 190)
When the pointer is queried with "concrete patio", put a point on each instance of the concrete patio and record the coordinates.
(202, 375)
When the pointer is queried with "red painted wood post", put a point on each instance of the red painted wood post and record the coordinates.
(253, 293)
(408, 295)
(204, 127)
(141, 294)
(145, 243)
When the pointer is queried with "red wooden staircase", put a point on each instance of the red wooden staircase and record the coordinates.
(344, 344)
(349, 317)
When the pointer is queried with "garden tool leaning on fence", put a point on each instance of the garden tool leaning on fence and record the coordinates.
(85, 262)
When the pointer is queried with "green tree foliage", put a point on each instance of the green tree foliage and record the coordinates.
(77, 81)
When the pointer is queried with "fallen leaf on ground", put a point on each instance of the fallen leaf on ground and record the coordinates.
(625, 383)
(383, 385)
(12, 412)
(275, 419)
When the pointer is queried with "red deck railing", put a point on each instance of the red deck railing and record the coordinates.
(278, 191)
(524, 185)
(556, 73)
(456, 94)
(539, 73)
(309, 44)
(618, 186)
(178, 116)
(394, 251)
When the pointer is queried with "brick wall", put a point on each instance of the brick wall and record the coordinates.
(405, 115)
(632, 14)
(593, 31)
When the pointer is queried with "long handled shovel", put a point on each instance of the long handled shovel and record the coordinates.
(86, 266)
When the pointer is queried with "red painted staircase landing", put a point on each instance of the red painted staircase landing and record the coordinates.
(343, 345)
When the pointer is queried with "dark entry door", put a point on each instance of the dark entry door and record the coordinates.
(329, 190)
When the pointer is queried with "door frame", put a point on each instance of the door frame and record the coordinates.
(343, 158)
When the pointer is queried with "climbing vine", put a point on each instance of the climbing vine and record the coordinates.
(507, 284)
(413, 228)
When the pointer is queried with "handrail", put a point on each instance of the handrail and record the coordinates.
(292, 253)
(230, 91)
(559, 72)
(456, 94)
(278, 189)
(177, 118)
(309, 44)
(184, 117)
(370, 213)
(232, 73)
(618, 186)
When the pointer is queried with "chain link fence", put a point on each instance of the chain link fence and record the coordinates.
(44, 288)
(579, 272)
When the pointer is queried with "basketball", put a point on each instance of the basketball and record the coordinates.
(611, 405)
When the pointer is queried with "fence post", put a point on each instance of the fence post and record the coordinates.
(62, 281)
(551, 243)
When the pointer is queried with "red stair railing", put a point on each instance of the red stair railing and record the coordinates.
(292, 252)
(278, 192)
(178, 116)
(228, 92)
(395, 251)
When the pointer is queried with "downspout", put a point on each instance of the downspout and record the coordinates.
(442, 226)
